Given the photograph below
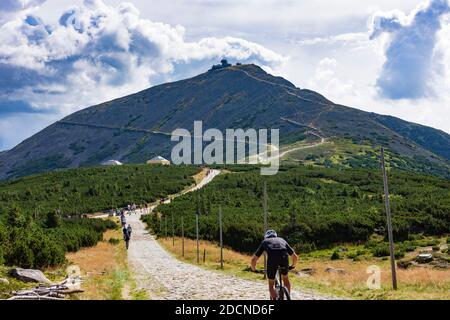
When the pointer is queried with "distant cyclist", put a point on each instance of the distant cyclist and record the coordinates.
(123, 219)
(127, 235)
(278, 252)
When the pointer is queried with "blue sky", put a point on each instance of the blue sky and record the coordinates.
(390, 57)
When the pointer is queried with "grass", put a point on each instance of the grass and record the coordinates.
(106, 271)
(416, 283)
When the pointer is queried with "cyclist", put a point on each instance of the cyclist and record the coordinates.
(278, 252)
(126, 235)
(123, 219)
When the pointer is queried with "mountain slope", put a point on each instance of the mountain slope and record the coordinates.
(135, 128)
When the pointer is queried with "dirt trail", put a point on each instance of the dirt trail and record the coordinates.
(162, 276)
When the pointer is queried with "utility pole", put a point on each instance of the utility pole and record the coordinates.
(389, 221)
(221, 237)
(182, 236)
(265, 224)
(198, 245)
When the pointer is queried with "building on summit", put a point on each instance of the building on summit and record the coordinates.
(223, 64)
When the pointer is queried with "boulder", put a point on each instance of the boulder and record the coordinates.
(442, 266)
(302, 275)
(404, 264)
(308, 271)
(4, 281)
(29, 275)
(424, 258)
(335, 270)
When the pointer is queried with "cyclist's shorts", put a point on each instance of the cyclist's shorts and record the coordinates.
(275, 260)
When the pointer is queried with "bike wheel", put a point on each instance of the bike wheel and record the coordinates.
(285, 294)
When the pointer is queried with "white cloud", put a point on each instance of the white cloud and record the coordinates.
(98, 52)
(410, 50)
(300, 30)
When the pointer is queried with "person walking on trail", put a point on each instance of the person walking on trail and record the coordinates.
(278, 252)
(123, 219)
(127, 235)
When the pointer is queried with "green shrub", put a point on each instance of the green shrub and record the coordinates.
(381, 250)
(407, 246)
(114, 241)
(53, 220)
(35, 247)
(399, 253)
(436, 248)
(431, 243)
(335, 255)
(448, 240)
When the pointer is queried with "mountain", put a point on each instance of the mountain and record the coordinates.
(137, 127)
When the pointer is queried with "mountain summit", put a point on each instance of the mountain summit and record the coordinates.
(137, 127)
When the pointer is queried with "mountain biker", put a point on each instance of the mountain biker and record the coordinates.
(278, 252)
(127, 235)
(123, 219)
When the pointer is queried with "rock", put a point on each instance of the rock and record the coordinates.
(335, 270)
(29, 275)
(424, 258)
(442, 266)
(404, 264)
(4, 281)
(308, 271)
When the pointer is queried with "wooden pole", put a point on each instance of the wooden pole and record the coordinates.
(389, 221)
(182, 236)
(204, 255)
(221, 237)
(198, 245)
(265, 224)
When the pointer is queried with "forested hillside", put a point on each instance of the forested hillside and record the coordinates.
(312, 207)
(90, 190)
(39, 215)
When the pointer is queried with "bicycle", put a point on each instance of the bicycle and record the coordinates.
(281, 291)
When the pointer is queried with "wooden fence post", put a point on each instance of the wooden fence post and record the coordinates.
(198, 245)
(173, 231)
(221, 237)
(182, 236)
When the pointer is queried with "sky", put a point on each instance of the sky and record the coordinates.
(59, 56)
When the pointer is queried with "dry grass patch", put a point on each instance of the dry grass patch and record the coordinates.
(104, 268)
(200, 176)
(416, 283)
